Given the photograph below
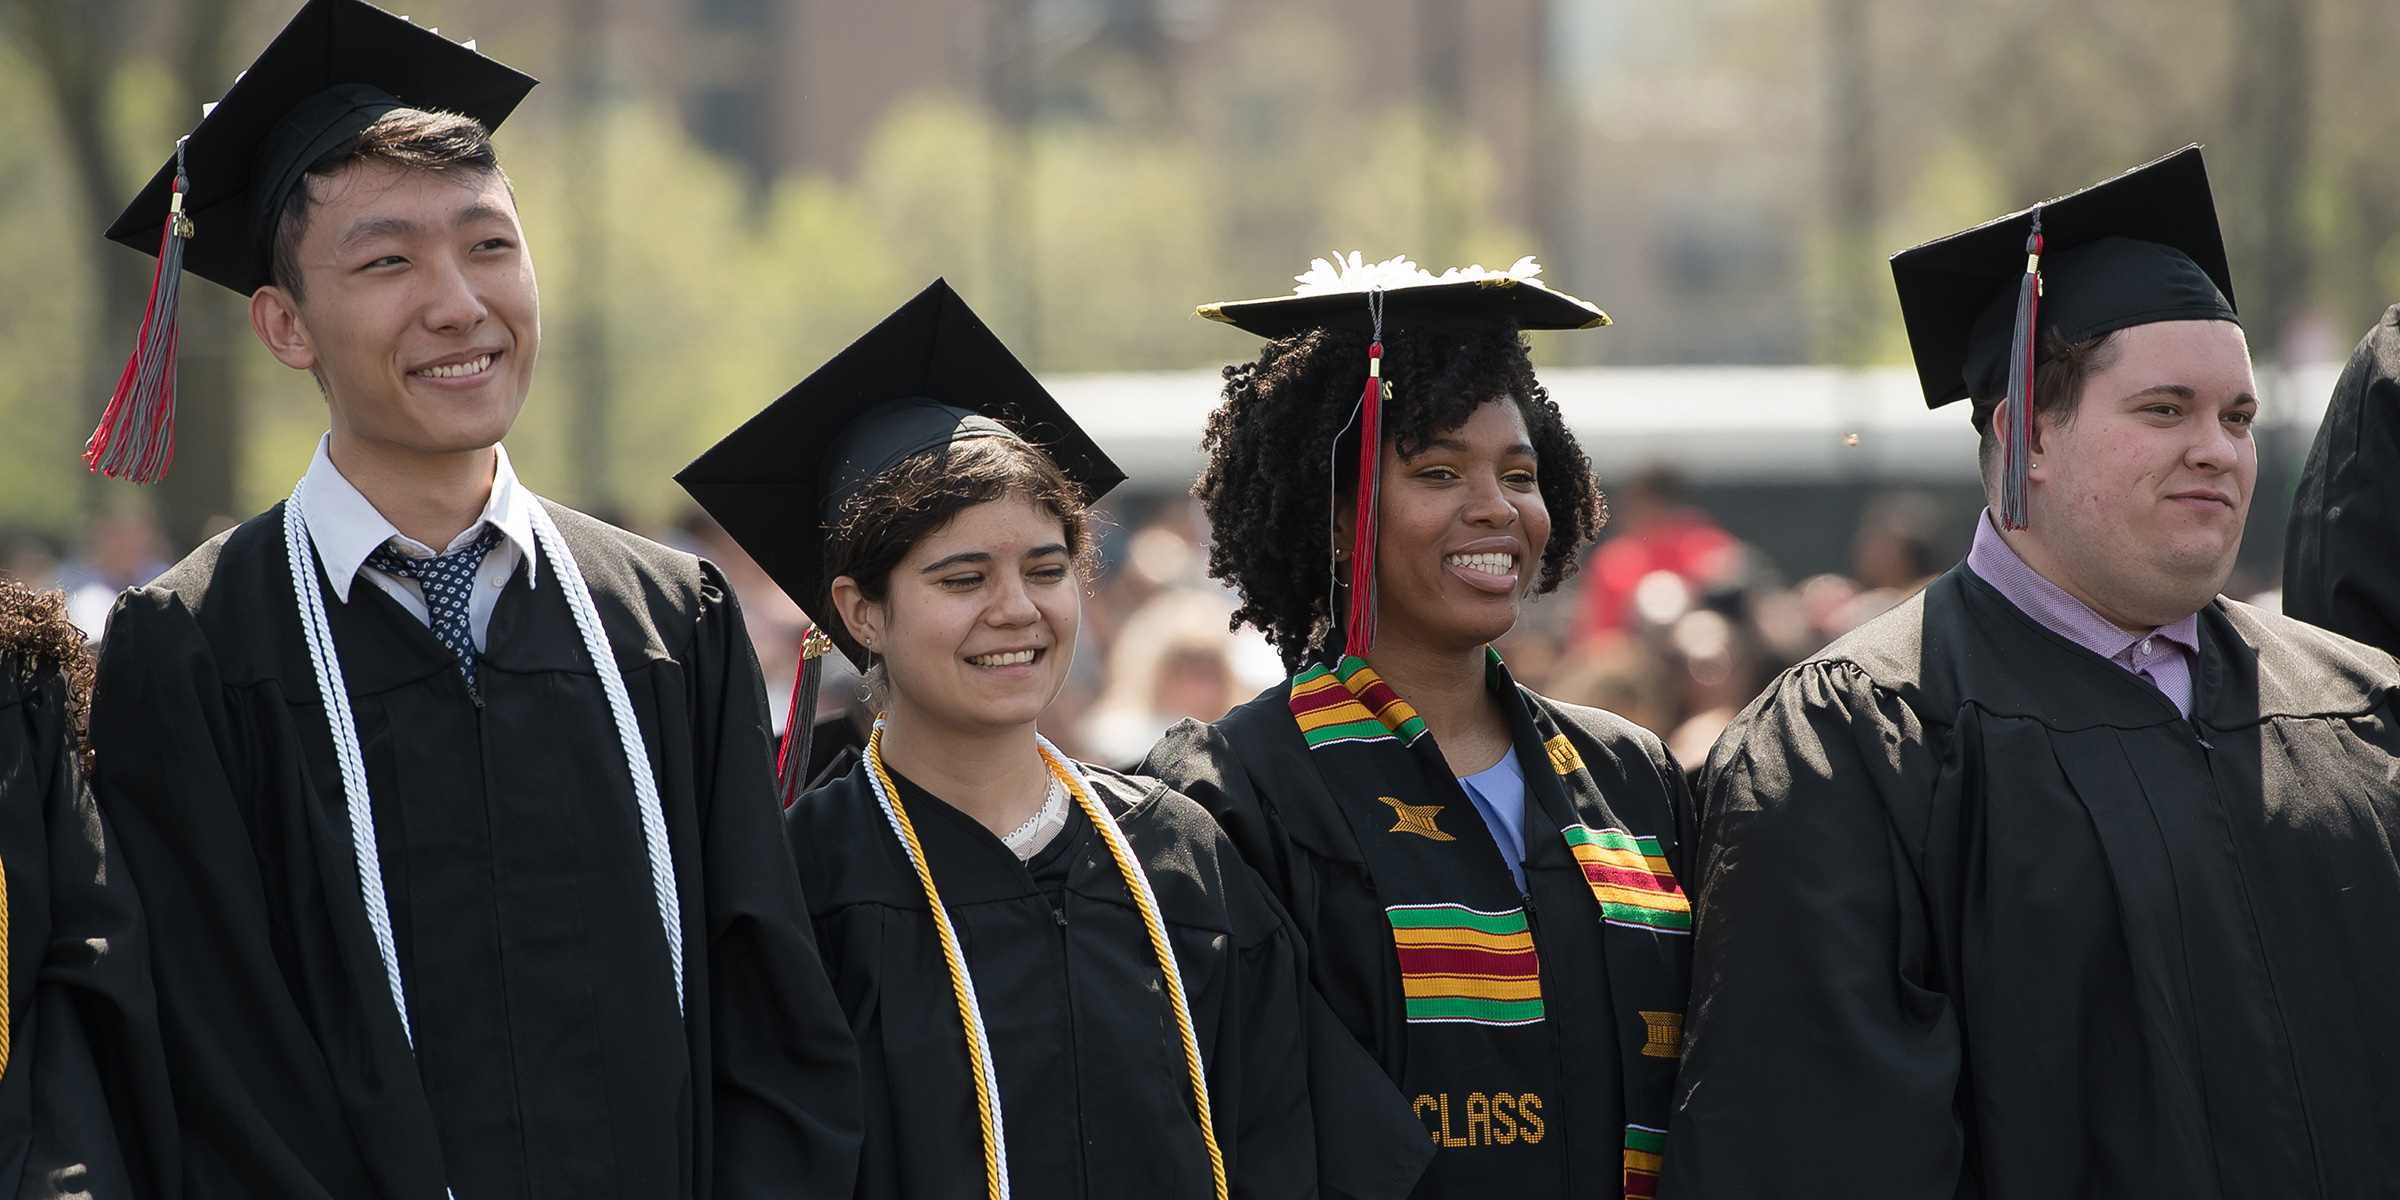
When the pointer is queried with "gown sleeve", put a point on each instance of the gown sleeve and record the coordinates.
(786, 1093)
(83, 1105)
(1275, 1156)
(1819, 1050)
(2339, 570)
(1369, 1144)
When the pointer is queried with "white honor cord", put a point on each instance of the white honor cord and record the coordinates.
(982, 1038)
(629, 735)
(336, 696)
(318, 633)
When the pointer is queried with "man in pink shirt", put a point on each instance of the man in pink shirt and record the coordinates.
(2067, 877)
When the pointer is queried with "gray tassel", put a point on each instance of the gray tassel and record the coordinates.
(2017, 431)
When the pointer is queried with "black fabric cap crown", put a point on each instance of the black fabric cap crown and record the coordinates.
(931, 374)
(2140, 248)
(1519, 304)
(337, 67)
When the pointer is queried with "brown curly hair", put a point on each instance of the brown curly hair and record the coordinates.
(1272, 442)
(34, 629)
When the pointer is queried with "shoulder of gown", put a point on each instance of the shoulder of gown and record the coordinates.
(211, 601)
(1252, 772)
(1629, 751)
(1201, 882)
(661, 591)
(2298, 669)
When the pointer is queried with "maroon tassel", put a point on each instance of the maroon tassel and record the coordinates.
(800, 720)
(1360, 632)
(136, 437)
(2016, 429)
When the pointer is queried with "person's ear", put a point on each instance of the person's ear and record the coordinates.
(1345, 529)
(2045, 428)
(275, 317)
(861, 616)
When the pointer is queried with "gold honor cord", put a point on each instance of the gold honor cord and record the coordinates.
(1139, 884)
(987, 1096)
(962, 986)
(4, 1013)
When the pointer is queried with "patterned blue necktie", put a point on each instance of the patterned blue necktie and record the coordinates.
(448, 582)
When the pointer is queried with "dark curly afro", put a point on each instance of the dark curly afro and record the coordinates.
(1271, 443)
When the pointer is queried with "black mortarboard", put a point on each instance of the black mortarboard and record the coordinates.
(1982, 306)
(1351, 294)
(931, 374)
(211, 210)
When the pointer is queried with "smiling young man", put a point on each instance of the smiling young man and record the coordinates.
(2067, 877)
(451, 809)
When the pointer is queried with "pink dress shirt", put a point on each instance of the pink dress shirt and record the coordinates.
(2163, 657)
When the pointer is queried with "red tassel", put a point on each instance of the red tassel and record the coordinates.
(1360, 633)
(136, 437)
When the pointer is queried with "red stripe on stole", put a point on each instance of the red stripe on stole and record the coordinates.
(1332, 697)
(1379, 696)
(1456, 960)
(1624, 877)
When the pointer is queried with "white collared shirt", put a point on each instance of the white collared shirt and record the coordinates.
(346, 528)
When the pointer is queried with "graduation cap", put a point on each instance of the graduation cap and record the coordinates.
(931, 374)
(338, 67)
(1984, 307)
(1356, 296)
(1332, 295)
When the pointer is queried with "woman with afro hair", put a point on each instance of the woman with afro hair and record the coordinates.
(1486, 878)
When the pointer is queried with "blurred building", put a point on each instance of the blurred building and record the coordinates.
(1650, 154)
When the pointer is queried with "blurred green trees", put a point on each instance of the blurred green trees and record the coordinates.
(1085, 236)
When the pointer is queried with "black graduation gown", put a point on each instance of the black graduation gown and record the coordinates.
(1980, 914)
(80, 1010)
(1094, 1090)
(549, 1057)
(1256, 774)
(2341, 561)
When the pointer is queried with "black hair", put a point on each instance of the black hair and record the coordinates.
(2057, 393)
(1272, 442)
(410, 138)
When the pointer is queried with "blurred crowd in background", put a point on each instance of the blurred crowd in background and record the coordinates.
(1672, 622)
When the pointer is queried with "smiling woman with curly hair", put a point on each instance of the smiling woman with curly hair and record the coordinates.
(1270, 471)
(1413, 807)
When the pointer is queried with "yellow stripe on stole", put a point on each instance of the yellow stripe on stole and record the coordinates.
(1464, 939)
(1332, 714)
(1640, 897)
(1475, 987)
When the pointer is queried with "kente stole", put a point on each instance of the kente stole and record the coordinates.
(1506, 992)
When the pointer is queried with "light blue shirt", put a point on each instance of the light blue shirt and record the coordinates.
(1499, 795)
